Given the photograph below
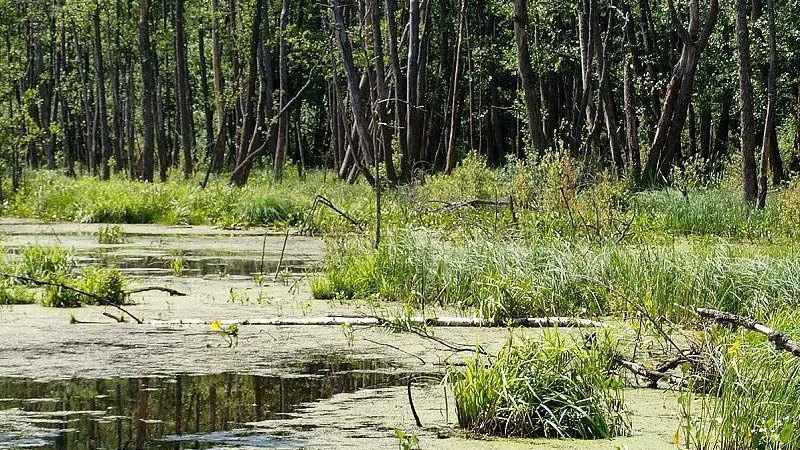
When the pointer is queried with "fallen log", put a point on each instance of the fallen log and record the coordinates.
(781, 341)
(529, 322)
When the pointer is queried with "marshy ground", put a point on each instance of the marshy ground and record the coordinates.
(75, 385)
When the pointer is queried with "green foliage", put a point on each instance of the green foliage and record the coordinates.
(550, 277)
(15, 294)
(40, 262)
(107, 284)
(406, 441)
(753, 405)
(553, 387)
(110, 234)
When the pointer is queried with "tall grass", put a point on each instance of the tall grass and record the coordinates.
(552, 198)
(754, 402)
(553, 387)
(548, 277)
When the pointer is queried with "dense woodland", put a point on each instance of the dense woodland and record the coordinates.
(638, 88)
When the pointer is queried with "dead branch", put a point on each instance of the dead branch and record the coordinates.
(320, 200)
(99, 299)
(170, 291)
(781, 341)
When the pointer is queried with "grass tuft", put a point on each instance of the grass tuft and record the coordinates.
(553, 387)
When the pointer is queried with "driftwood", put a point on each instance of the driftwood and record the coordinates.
(781, 341)
(99, 299)
(530, 322)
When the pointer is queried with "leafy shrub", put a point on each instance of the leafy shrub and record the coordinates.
(59, 296)
(40, 262)
(553, 387)
(14, 294)
(107, 284)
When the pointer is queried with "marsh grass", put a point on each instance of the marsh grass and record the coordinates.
(754, 402)
(553, 198)
(550, 387)
(548, 277)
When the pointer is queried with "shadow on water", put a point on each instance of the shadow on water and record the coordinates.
(177, 412)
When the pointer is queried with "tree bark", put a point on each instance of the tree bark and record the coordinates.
(666, 143)
(182, 91)
(529, 83)
(746, 121)
(364, 140)
(148, 91)
(283, 86)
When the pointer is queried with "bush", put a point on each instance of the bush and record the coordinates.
(41, 262)
(554, 387)
(106, 284)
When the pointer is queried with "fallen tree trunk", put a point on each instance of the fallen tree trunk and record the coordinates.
(781, 341)
(530, 322)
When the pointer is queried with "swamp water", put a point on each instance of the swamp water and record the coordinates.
(183, 411)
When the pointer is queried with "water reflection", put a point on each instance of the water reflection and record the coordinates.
(184, 411)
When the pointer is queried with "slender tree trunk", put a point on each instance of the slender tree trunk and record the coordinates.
(746, 121)
(631, 124)
(532, 98)
(208, 113)
(412, 105)
(148, 91)
(182, 90)
(283, 86)
(101, 96)
(454, 109)
(400, 106)
(382, 93)
(364, 139)
(666, 143)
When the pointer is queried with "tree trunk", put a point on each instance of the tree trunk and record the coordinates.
(283, 86)
(529, 83)
(182, 90)
(399, 88)
(364, 140)
(631, 125)
(148, 91)
(382, 93)
(208, 113)
(454, 109)
(666, 143)
(412, 64)
(101, 96)
(746, 121)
